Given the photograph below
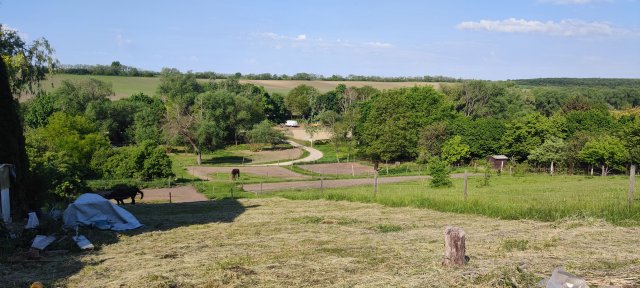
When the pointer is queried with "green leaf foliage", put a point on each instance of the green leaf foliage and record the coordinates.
(439, 171)
(454, 151)
(391, 122)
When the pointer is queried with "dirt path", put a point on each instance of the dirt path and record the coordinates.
(338, 168)
(203, 172)
(314, 154)
(178, 195)
(271, 155)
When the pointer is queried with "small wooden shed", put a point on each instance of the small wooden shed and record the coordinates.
(498, 161)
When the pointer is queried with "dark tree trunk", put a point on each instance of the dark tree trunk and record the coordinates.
(12, 149)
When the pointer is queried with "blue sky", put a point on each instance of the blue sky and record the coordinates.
(469, 39)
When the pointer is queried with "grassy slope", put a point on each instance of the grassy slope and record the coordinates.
(125, 86)
(538, 197)
(280, 243)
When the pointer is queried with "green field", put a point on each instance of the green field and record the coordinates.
(536, 197)
(126, 86)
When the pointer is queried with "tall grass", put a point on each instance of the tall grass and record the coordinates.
(537, 197)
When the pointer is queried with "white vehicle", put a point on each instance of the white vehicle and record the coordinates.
(291, 123)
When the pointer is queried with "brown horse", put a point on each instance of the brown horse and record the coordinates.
(235, 174)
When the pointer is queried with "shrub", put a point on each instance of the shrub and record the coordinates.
(439, 171)
(144, 162)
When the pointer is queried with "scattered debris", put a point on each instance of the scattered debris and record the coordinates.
(33, 222)
(41, 241)
(563, 279)
(83, 242)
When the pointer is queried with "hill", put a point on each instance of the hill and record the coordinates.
(125, 86)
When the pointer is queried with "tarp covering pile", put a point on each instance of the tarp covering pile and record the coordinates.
(90, 209)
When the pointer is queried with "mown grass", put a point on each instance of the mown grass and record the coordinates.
(537, 197)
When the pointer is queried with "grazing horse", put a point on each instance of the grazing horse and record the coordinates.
(121, 192)
(235, 174)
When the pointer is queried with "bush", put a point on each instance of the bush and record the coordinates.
(144, 162)
(439, 171)
(262, 134)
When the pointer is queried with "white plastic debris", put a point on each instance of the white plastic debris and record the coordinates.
(42, 241)
(563, 279)
(83, 242)
(33, 221)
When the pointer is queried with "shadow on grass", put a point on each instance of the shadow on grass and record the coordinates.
(226, 160)
(53, 270)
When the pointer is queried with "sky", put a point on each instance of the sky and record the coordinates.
(492, 40)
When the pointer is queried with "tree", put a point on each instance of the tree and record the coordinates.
(22, 67)
(298, 100)
(454, 151)
(631, 138)
(350, 115)
(431, 140)
(607, 151)
(550, 152)
(73, 97)
(61, 152)
(524, 134)
(311, 129)
(26, 65)
(262, 134)
(439, 172)
(332, 120)
(184, 118)
(391, 122)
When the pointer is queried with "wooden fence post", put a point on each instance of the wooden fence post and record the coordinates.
(465, 184)
(632, 184)
(454, 247)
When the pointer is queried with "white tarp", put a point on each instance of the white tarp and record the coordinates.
(90, 208)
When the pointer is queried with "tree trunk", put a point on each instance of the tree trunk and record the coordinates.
(591, 170)
(551, 169)
(604, 172)
(199, 156)
(24, 193)
(337, 157)
(454, 247)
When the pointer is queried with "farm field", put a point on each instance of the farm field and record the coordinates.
(275, 242)
(535, 197)
(126, 86)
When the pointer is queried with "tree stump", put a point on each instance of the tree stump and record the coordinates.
(454, 247)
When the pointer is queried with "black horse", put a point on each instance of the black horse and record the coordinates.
(121, 192)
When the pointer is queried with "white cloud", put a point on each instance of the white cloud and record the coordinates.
(122, 41)
(566, 28)
(573, 2)
(379, 44)
(302, 40)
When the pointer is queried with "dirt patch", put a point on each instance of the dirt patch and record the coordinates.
(178, 195)
(266, 156)
(338, 168)
(268, 171)
(300, 134)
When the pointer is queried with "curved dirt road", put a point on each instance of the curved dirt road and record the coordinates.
(314, 154)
